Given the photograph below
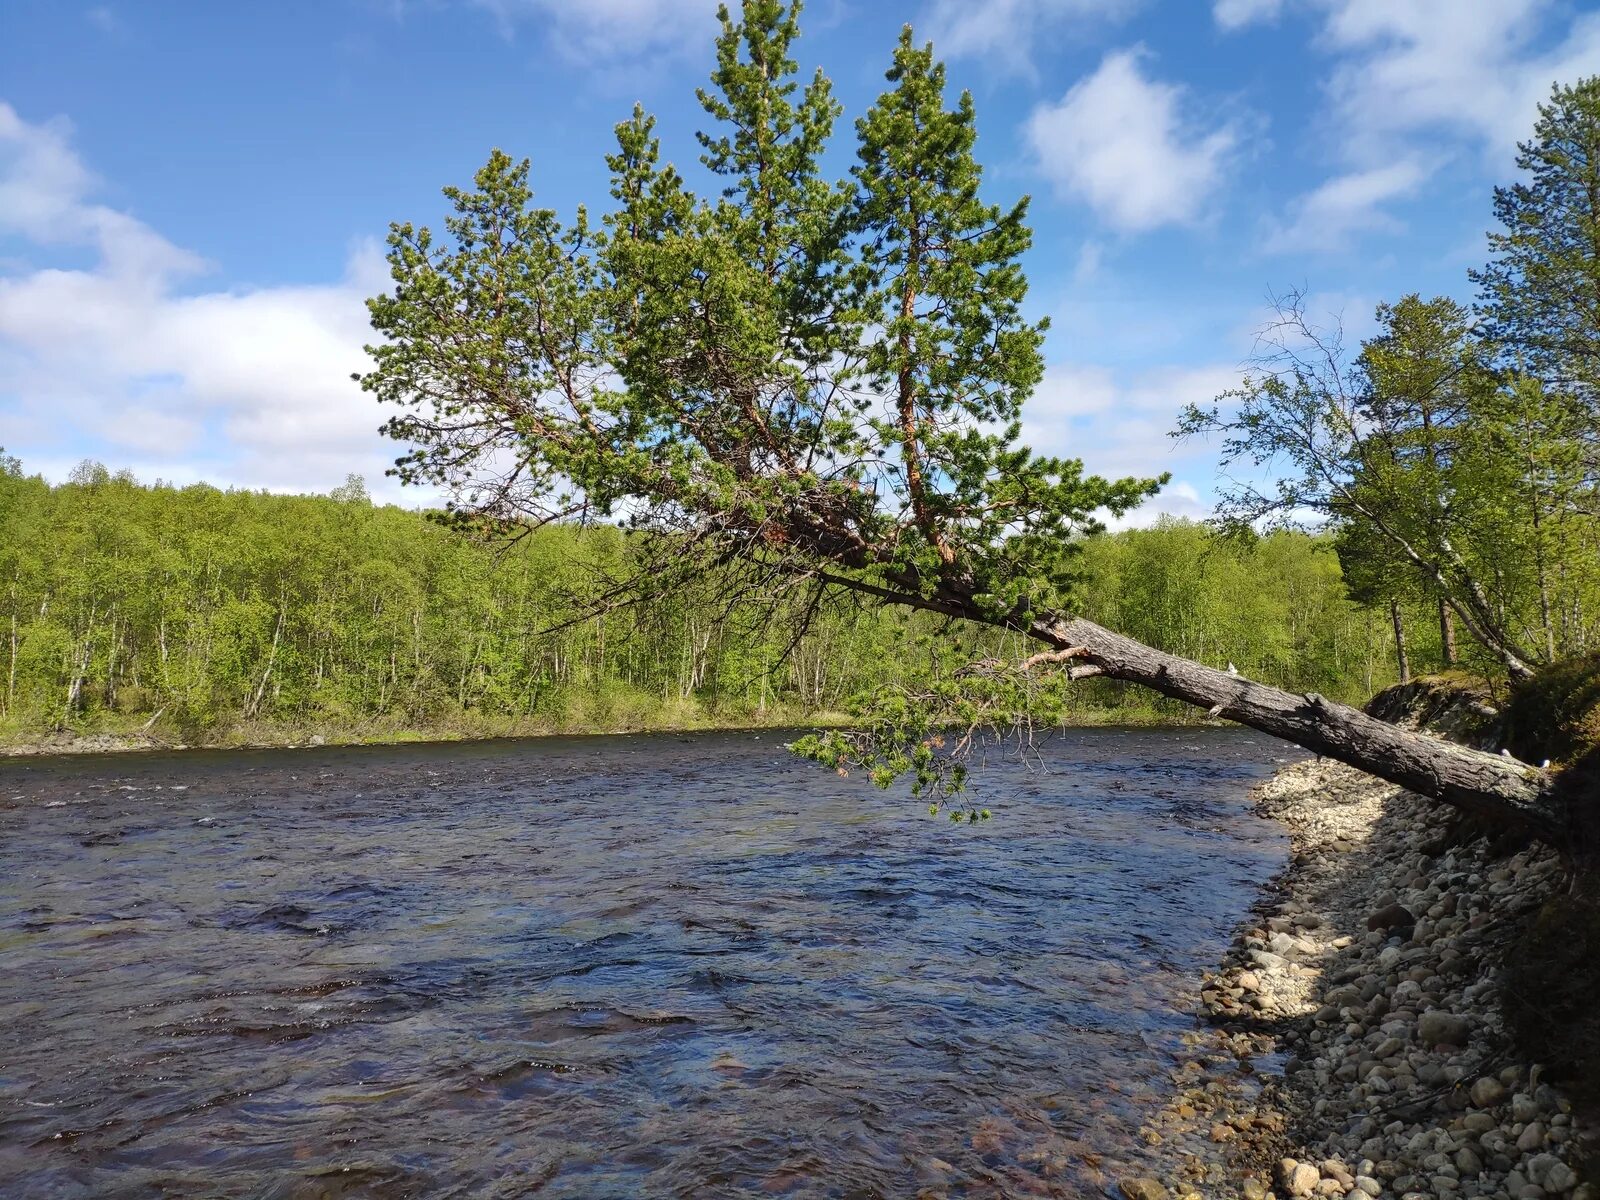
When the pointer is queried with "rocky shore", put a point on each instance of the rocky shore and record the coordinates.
(1358, 1047)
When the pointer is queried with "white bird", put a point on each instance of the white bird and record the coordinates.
(1232, 670)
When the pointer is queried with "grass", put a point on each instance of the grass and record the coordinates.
(629, 713)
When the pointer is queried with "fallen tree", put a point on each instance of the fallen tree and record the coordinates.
(822, 380)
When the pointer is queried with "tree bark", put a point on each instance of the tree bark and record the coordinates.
(1447, 633)
(1403, 662)
(1499, 788)
(1505, 791)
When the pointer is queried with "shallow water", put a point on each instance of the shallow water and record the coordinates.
(604, 967)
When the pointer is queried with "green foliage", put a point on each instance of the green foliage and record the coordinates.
(1556, 714)
(796, 371)
(1541, 291)
(802, 387)
(1273, 606)
(939, 282)
(234, 614)
(1459, 456)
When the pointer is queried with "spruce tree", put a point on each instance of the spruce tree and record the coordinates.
(1540, 293)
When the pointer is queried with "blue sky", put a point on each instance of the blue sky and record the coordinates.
(193, 196)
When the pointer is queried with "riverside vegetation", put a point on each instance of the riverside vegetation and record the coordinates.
(202, 615)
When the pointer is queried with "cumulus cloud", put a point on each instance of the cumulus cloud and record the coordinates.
(608, 31)
(1236, 14)
(1121, 142)
(122, 359)
(1412, 83)
(1006, 31)
(1477, 70)
(1118, 423)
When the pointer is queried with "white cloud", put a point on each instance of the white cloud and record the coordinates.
(1329, 217)
(1120, 142)
(42, 184)
(587, 31)
(1411, 83)
(1119, 422)
(1236, 14)
(241, 387)
(1007, 31)
(1179, 498)
(1438, 65)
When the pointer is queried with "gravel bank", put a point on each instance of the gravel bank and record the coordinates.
(1358, 1049)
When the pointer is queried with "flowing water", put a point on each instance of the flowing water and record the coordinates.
(604, 967)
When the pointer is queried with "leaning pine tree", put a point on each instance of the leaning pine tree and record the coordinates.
(819, 379)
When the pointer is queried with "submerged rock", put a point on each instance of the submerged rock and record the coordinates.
(1142, 1187)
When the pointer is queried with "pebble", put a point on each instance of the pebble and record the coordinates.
(1298, 1178)
(1395, 1077)
(1436, 1027)
(1142, 1187)
(1488, 1092)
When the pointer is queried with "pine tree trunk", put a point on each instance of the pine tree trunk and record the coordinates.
(1496, 787)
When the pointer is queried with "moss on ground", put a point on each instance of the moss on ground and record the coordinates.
(1453, 704)
(1556, 714)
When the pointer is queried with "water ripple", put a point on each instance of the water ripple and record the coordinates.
(644, 966)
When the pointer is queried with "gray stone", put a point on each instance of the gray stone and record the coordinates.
(1298, 1178)
(1468, 1162)
(1487, 1092)
(1437, 1027)
(1391, 916)
(1560, 1178)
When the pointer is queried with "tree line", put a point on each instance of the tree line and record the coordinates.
(1457, 450)
(209, 614)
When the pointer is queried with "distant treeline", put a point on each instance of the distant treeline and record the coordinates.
(233, 614)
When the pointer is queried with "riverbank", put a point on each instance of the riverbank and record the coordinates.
(261, 735)
(1360, 1044)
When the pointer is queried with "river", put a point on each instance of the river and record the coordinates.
(660, 966)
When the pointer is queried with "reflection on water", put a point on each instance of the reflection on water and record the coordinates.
(604, 967)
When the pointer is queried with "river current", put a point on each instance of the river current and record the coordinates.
(656, 966)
